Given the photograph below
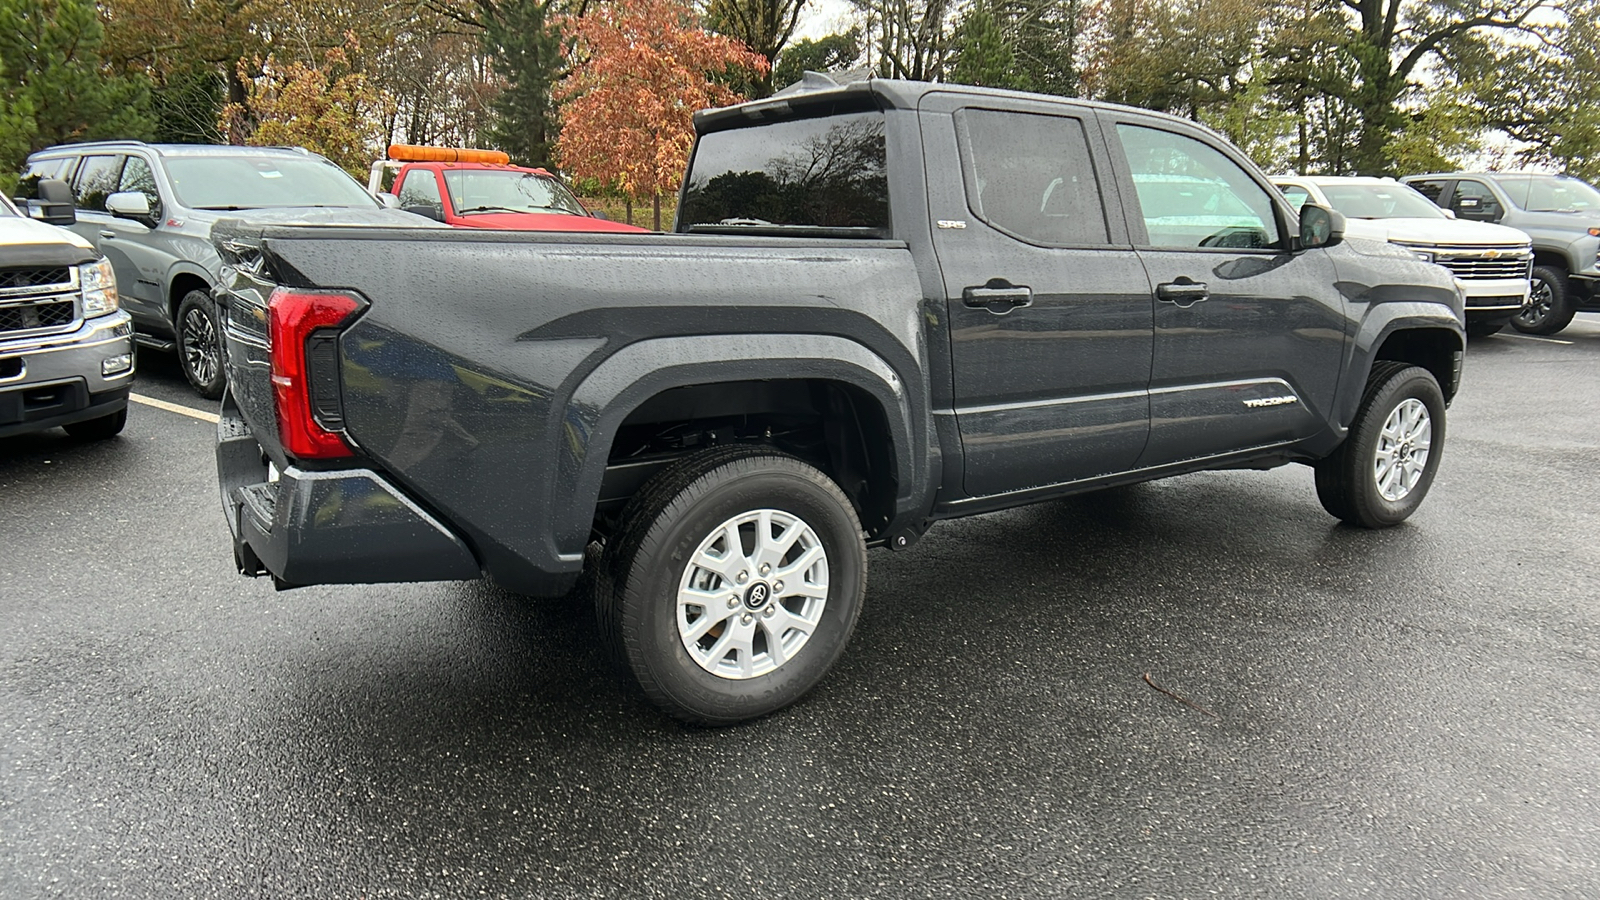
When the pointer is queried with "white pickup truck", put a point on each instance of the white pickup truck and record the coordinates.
(66, 348)
(1492, 262)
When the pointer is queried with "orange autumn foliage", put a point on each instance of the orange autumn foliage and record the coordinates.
(641, 70)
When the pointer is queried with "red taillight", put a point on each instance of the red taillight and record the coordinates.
(292, 318)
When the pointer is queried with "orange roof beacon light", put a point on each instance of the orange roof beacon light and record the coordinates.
(410, 153)
(400, 154)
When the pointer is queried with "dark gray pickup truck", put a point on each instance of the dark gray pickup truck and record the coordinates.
(887, 304)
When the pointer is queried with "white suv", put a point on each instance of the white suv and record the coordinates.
(1491, 262)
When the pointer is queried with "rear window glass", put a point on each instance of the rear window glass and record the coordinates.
(263, 182)
(826, 173)
(1031, 176)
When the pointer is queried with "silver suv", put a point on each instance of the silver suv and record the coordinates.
(1560, 213)
(149, 209)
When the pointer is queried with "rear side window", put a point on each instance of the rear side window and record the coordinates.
(1031, 176)
(97, 179)
(1433, 189)
(28, 186)
(825, 173)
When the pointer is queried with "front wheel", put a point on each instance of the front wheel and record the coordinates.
(1383, 470)
(200, 345)
(733, 584)
(1550, 305)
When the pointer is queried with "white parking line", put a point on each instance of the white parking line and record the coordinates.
(202, 415)
(1534, 337)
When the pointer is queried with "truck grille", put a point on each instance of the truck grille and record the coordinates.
(53, 313)
(1474, 267)
(47, 278)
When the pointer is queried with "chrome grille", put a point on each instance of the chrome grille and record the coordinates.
(53, 276)
(1479, 266)
(40, 314)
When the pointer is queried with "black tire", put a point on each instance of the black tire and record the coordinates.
(1480, 328)
(1347, 481)
(199, 340)
(646, 561)
(1551, 307)
(103, 428)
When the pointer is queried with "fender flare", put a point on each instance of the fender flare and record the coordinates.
(600, 403)
(1386, 320)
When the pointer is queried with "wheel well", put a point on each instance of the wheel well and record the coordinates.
(836, 427)
(181, 286)
(1434, 349)
(1550, 258)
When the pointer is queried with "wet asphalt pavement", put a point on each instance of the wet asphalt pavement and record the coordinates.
(1408, 713)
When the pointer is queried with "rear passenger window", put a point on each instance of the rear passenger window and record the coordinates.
(28, 185)
(1031, 176)
(1433, 190)
(97, 179)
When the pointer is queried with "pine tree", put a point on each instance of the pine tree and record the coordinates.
(54, 87)
(525, 49)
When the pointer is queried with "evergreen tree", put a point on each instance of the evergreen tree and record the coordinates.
(981, 52)
(526, 51)
(830, 53)
(54, 87)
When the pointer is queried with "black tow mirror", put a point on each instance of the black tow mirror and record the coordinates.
(55, 204)
(1320, 226)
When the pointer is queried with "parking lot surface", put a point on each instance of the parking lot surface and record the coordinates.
(1406, 713)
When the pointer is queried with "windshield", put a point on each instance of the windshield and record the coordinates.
(1551, 193)
(1380, 201)
(273, 181)
(477, 191)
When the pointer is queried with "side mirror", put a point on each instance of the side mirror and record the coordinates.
(599, 214)
(1320, 226)
(129, 205)
(427, 212)
(388, 200)
(55, 205)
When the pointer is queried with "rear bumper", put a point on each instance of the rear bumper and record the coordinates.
(350, 526)
(59, 379)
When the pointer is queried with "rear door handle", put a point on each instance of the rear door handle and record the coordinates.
(997, 296)
(1182, 293)
(108, 234)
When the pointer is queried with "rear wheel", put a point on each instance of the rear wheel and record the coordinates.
(733, 584)
(1382, 472)
(1550, 305)
(103, 428)
(200, 344)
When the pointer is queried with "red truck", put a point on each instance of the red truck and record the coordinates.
(481, 189)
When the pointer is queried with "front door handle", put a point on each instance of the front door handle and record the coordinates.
(1182, 293)
(998, 296)
(108, 234)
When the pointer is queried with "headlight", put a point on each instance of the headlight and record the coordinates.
(99, 288)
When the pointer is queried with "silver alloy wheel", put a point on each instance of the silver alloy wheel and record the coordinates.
(753, 594)
(1540, 300)
(1403, 448)
(200, 345)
